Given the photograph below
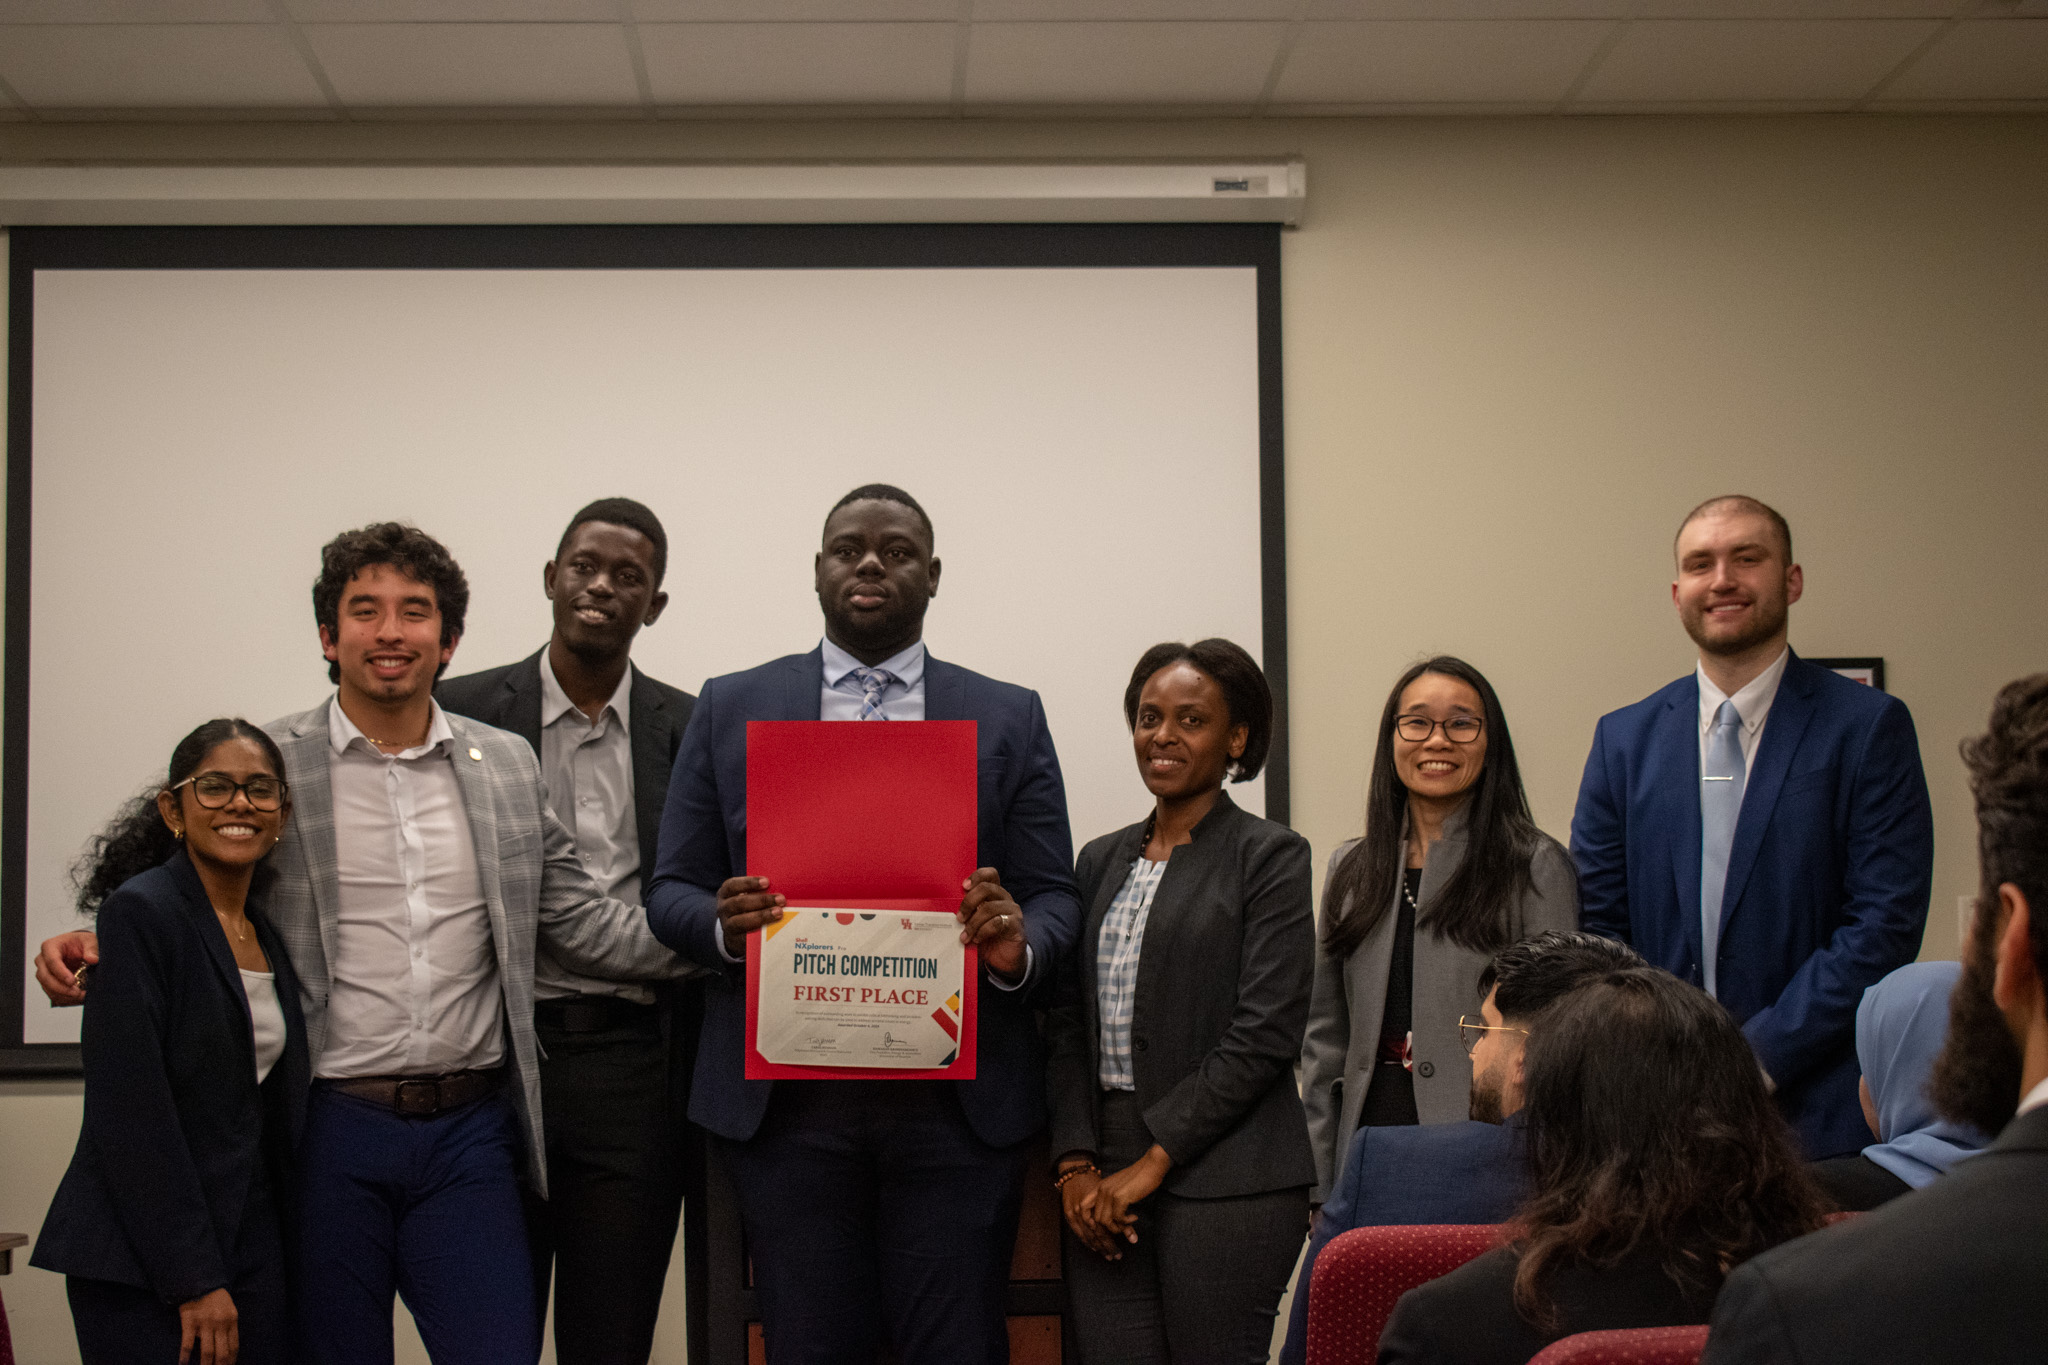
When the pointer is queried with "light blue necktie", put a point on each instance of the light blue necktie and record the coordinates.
(872, 681)
(1720, 806)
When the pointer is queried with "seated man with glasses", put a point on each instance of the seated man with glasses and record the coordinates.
(1460, 1172)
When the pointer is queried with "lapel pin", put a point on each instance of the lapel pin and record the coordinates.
(477, 754)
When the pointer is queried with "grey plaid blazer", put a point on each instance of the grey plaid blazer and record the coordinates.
(534, 884)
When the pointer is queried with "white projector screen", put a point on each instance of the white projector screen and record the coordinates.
(1082, 418)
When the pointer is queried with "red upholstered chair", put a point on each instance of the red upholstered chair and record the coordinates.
(1363, 1273)
(1638, 1346)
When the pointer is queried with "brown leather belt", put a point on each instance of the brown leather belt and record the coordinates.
(422, 1097)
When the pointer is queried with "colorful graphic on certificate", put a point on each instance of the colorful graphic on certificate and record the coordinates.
(859, 988)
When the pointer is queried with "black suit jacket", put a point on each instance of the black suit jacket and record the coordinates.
(176, 1127)
(1222, 1001)
(509, 698)
(1955, 1271)
(1468, 1317)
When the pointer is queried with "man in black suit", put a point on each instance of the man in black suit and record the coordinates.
(1958, 1270)
(614, 1072)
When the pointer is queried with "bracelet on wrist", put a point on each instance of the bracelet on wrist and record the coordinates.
(1086, 1168)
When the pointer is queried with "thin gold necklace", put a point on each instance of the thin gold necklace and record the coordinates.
(239, 937)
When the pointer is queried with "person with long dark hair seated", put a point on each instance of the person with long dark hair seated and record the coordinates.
(1899, 1031)
(1657, 1164)
(1451, 869)
(168, 1224)
(1184, 1164)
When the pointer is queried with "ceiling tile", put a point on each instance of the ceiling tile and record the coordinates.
(788, 11)
(475, 65)
(994, 10)
(134, 12)
(144, 66)
(799, 63)
(1800, 9)
(1407, 61)
(1120, 63)
(1996, 59)
(1666, 60)
(453, 11)
(1470, 9)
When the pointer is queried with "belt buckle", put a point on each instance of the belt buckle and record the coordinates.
(418, 1099)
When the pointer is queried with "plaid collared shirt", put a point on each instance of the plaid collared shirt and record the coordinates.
(1116, 969)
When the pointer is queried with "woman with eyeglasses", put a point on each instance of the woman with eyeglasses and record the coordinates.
(168, 1225)
(1450, 870)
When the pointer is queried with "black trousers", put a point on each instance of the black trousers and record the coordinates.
(121, 1324)
(1202, 1285)
(873, 1213)
(620, 1158)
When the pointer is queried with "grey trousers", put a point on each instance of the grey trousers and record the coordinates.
(1203, 1283)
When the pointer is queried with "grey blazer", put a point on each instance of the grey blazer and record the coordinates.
(1223, 991)
(533, 882)
(1343, 1042)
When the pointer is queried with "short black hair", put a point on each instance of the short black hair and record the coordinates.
(889, 492)
(634, 516)
(408, 549)
(1536, 973)
(1245, 693)
(1741, 502)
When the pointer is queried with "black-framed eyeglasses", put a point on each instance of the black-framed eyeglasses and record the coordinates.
(1458, 729)
(1471, 1030)
(215, 790)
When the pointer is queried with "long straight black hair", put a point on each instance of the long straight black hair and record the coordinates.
(1472, 908)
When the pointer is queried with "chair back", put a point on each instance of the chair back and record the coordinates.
(1636, 1346)
(1361, 1274)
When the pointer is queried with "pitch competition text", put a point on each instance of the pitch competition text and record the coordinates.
(873, 966)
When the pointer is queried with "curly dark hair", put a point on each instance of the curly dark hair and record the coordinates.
(1650, 1130)
(408, 549)
(1471, 909)
(1245, 693)
(137, 838)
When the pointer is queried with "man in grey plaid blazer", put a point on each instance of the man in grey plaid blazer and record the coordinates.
(418, 871)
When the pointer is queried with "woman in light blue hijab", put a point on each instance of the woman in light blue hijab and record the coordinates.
(1899, 1030)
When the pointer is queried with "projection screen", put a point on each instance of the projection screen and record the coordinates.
(1090, 414)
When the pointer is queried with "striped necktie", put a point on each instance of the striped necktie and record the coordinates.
(1721, 786)
(872, 681)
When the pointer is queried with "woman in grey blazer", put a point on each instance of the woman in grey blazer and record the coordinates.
(1183, 1158)
(1450, 870)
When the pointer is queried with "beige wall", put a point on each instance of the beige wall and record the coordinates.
(1516, 353)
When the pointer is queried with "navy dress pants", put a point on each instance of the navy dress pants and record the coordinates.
(873, 1213)
(428, 1208)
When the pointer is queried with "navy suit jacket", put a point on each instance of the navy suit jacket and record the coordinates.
(1023, 835)
(176, 1128)
(1425, 1173)
(1827, 881)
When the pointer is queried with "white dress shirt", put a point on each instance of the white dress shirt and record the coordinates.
(2034, 1098)
(415, 974)
(588, 768)
(1752, 702)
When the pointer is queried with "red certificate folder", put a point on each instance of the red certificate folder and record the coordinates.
(862, 816)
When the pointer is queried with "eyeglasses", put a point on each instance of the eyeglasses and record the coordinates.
(1458, 729)
(1471, 1030)
(215, 790)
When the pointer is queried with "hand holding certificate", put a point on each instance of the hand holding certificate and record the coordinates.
(863, 959)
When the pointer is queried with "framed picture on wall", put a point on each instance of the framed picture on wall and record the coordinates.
(1869, 672)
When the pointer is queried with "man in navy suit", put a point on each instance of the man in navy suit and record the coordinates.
(875, 1209)
(1761, 828)
(1472, 1172)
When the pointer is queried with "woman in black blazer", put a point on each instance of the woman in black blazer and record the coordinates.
(168, 1224)
(1657, 1165)
(1184, 1165)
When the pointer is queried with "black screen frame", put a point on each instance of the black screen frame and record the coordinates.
(572, 247)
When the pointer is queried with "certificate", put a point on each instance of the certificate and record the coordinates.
(868, 832)
(866, 988)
